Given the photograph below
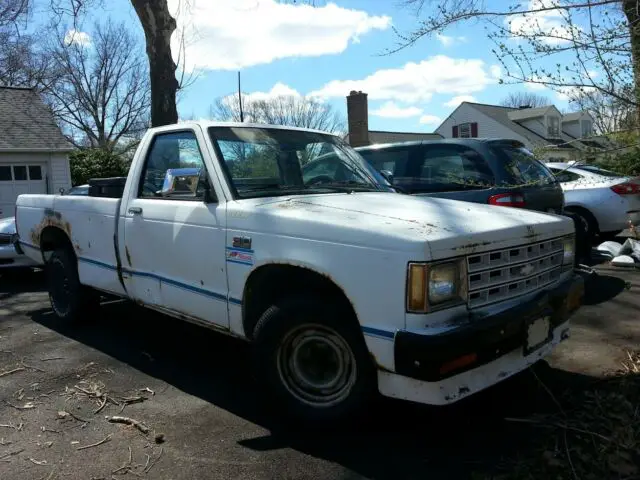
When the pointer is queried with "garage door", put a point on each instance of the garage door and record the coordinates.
(16, 179)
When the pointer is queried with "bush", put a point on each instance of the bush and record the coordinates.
(95, 163)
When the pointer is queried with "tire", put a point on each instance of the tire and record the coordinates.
(70, 300)
(586, 231)
(302, 344)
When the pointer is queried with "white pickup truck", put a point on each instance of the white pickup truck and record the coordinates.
(344, 287)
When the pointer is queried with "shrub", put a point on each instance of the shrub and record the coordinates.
(95, 163)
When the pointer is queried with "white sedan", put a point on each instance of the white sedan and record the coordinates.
(604, 201)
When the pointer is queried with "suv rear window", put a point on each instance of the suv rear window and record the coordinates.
(522, 166)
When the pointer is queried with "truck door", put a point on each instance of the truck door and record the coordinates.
(174, 237)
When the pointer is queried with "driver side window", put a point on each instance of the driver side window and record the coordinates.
(320, 168)
(174, 168)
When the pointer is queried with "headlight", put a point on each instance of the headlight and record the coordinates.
(569, 249)
(435, 286)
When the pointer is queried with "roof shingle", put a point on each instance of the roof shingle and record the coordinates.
(27, 124)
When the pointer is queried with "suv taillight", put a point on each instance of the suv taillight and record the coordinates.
(626, 188)
(507, 200)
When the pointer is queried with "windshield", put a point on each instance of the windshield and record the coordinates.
(271, 161)
(523, 167)
(599, 171)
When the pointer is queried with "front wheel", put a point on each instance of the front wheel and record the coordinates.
(313, 360)
(70, 300)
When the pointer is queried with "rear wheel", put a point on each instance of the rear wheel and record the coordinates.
(313, 361)
(70, 300)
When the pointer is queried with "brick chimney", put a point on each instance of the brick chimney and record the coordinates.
(358, 118)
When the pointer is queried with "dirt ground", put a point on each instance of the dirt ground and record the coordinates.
(189, 387)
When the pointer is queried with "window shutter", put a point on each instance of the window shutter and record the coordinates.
(474, 130)
(454, 131)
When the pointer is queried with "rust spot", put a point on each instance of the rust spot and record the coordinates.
(76, 247)
(51, 218)
(126, 252)
(471, 247)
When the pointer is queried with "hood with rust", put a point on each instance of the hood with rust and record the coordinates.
(398, 222)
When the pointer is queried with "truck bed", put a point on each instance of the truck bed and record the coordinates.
(90, 223)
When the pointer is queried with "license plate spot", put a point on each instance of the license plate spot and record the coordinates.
(538, 332)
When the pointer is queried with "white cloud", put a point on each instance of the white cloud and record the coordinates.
(548, 26)
(76, 37)
(568, 94)
(225, 35)
(447, 41)
(416, 82)
(278, 90)
(496, 71)
(455, 101)
(534, 86)
(392, 110)
(430, 120)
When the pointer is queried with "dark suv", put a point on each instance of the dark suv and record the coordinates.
(495, 171)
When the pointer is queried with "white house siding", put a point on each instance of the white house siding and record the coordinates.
(572, 128)
(60, 172)
(487, 126)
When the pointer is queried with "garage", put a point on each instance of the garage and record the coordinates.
(18, 179)
(34, 154)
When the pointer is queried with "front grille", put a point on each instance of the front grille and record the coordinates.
(5, 239)
(503, 274)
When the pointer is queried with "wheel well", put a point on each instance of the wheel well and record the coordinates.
(53, 238)
(586, 212)
(269, 283)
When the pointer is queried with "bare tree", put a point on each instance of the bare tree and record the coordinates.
(100, 91)
(158, 26)
(600, 36)
(609, 115)
(522, 99)
(289, 110)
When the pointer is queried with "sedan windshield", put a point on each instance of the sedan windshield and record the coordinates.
(269, 161)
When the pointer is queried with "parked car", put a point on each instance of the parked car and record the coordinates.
(11, 253)
(604, 201)
(494, 171)
(343, 287)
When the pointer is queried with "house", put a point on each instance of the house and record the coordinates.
(34, 155)
(359, 134)
(555, 136)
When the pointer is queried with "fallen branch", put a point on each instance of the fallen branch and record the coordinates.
(9, 372)
(104, 403)
(50, 359)
(127, 466)
(12, 425)
(26, 406)
(37, 462)
(11, 454)
(104, 440)
(129, 421)
(64, 413)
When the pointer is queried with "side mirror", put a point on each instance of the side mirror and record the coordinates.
(387, 175)
(205, 186)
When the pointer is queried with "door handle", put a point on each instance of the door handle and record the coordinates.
(135, 210)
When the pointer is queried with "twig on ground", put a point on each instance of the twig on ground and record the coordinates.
(127, 467)
(104, 440)
(566, 447)
(37, 462)
(3, 442)
(9, 372)
(129, 421)
(148, 390)
(45, 429)
(104, 403)
(51, 358)
(26, 406)
(64, 413)
(11, 454)
(12, 425)
(549, 392)
(157, 459)
(31, 367)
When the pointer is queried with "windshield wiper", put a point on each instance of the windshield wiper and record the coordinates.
(347, 185)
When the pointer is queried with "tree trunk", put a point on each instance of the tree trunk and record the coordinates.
(158, 25)
(633, 17)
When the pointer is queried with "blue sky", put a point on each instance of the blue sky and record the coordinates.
(327, 52)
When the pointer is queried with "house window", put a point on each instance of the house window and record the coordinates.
(553, 126)
(587, 128)
(466, 130)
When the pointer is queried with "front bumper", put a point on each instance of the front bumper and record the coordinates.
(439, 369)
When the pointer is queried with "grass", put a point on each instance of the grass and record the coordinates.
(594, 435)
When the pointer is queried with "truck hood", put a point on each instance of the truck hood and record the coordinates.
(401, 222)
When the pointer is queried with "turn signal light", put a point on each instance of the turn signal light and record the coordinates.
(458, 363)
